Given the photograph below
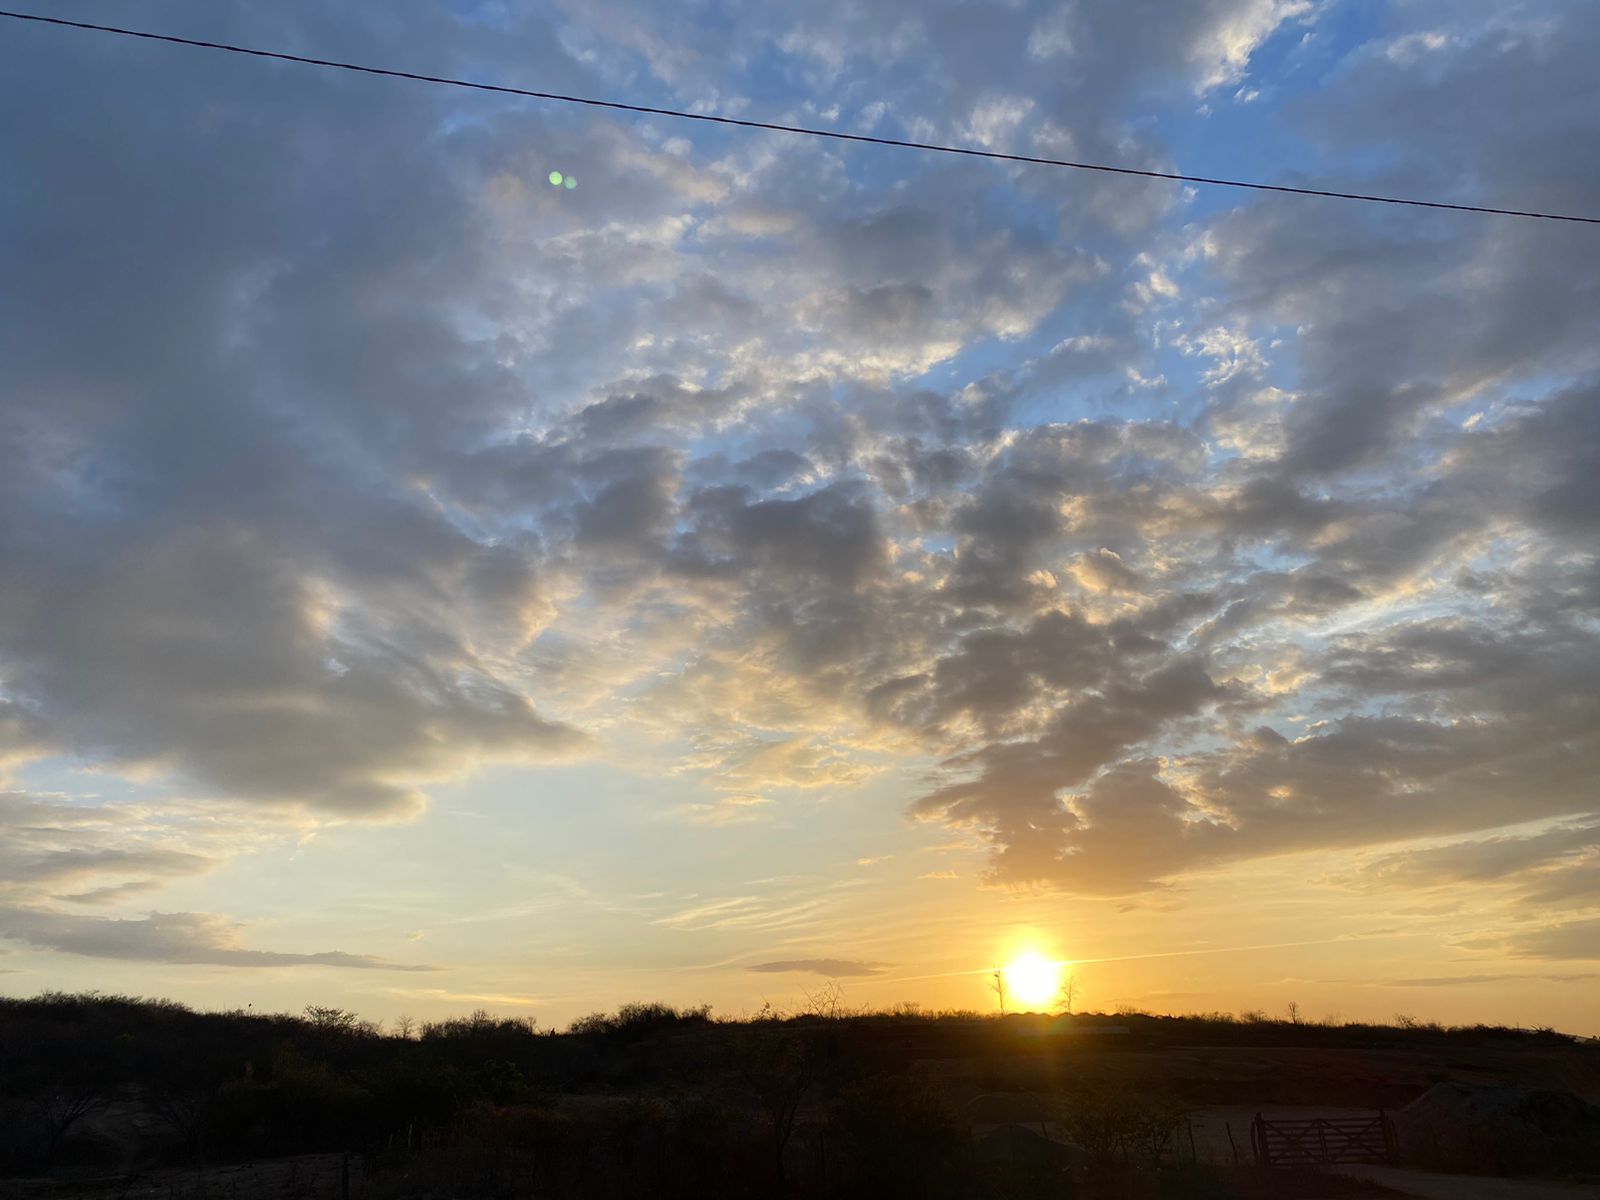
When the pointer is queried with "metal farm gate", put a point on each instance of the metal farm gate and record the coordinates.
(1321, 1141)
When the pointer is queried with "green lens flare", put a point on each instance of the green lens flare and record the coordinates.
(555, 178)
(571, 182)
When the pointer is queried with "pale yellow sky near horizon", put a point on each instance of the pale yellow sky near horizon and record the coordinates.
(1252, 938)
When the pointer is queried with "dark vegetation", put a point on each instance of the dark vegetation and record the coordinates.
(659, 1101)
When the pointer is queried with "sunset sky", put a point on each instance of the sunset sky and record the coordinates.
(771, 559)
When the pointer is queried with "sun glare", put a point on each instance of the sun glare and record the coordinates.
(1033, 980)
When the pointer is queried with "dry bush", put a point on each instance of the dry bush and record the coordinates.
(1116, 1129)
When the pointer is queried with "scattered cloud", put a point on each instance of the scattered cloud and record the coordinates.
(1128, 538)
(1476, 980)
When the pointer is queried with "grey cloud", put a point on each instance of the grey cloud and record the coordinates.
(1544, 458)
(23, 735)
(877, 290)
(909, 470)
(1269, 596)
(1013, 787)
(1570, 940)
(992, 674)
(658, 406)
(1488, 859)
(113, 893)
(1370, 779)
(323, 411)
(1464, 97)
(49, 844)
(57, 865)
(218, 567)
(1567, 886)
(942, 61)
(1112, 476)
(886, 309)
(633, 507)
(1104, 571)
(180, 938)
(830, 536)
(764, 470)
(211, 646)
(1396, 318)
(1262, 506)
(1357, 780)
(1131, 830)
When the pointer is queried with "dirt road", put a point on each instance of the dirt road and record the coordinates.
(1467, 1187)
(1222, 1134)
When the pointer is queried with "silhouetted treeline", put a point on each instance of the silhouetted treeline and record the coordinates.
(818, 1102)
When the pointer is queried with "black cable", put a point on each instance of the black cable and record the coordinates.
(800, 129)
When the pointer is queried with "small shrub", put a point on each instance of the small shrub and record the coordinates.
(896, 1136)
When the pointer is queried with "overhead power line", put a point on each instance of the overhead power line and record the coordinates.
(775, 127)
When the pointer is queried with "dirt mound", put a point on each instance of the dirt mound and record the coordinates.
(1021, 1145)
(1005, 1108)
(1498, 1129)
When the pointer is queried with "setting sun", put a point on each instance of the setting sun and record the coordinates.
(1033, 980)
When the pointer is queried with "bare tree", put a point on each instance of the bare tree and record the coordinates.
(405, 1026)
(1293, 1012)
(997, 985)
(183, 1110)
(63, 1107)
(780, 1069)
(827, 1002)
(1068, 994)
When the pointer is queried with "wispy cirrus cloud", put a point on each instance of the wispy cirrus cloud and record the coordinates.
(190, 938)
(832, 968)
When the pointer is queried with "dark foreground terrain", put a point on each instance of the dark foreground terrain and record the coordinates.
(127, 1099)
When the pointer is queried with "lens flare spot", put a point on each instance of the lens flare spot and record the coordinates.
(555, 178)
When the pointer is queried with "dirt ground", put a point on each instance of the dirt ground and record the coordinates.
(1431, 1186)
(302, 1177)
(320, 1177)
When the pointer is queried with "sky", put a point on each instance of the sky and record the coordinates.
(772, 560)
